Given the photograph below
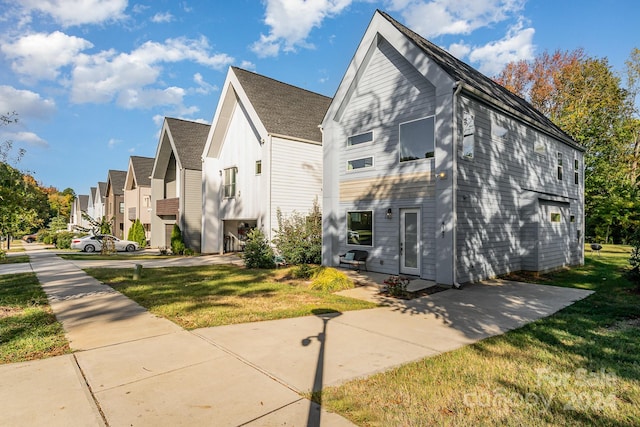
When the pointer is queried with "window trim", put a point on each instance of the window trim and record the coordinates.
(560, 171)
(434, 139)
(360, 144)
(258, 167)
(576, 171)
(346, 235)
(233, 185)
(364, 167)
(555, 217)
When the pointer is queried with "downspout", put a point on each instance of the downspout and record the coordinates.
(454, 179)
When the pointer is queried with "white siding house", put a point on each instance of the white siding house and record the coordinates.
(99, 201)
(440, 173)
(263, 153)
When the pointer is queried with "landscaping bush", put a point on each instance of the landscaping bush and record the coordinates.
(303, 271)
(136, 234)
(257, 251)
(331, 280)
(177, 245)
(63, 239)
(299, 237)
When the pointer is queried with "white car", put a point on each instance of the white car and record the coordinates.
(94, 243)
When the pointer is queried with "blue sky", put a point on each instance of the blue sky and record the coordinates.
(92, 80)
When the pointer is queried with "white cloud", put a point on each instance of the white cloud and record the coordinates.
(160, 18)
(113, 142)
(248, 65)
(78, 12)
(40, 56)
(29, 138)
(291, 21)
(459, 50)
(126, 76)
(442, 17)
(203, 88)
(27, 104)
(516, 45)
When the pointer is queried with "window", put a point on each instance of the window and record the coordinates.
(417, 139)
(366, 162)
(146, 201)
(539, 148)
(360, 228)
(468, 138)
(576, 174)
(258, 167)
(560, 166)
(555, 217)
(121, 207)
(572, 218)
(230, 182)
(360, 139)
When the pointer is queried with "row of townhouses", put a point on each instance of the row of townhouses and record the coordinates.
(419, 159)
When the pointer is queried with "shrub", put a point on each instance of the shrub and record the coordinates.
(303, 271)
(634, 260)
(299, 237)
(330, 280)
(257, 251)
(63, 239)
(136, 234)
(177, 245)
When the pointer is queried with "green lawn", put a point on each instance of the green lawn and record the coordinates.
(15, 259)
(580, 366)
(28, 328)
(196, 297)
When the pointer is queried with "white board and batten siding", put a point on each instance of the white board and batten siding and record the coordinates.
(191, 211)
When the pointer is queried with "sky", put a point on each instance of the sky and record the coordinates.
(92, 80)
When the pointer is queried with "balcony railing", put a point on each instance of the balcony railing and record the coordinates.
(167, 206)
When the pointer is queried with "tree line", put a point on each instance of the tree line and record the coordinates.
(598, 108)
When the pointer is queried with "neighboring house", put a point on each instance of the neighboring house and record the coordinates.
(176, 183)
(99, 201)
(439, 172)
(90, 203)
(114, 204)
(79, 205)
(137, 193)
(263, 153)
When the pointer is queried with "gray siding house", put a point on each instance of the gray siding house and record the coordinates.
(114, 202)
(440, 173)
(176, 183)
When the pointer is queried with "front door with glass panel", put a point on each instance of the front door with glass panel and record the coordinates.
(410, 241)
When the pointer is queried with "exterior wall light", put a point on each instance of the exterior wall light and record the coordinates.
(442, 175)
(389, 213)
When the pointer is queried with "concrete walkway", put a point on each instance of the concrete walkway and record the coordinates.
(133, 368)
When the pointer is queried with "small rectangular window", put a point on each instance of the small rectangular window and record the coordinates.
(258, 167)
(361, 138)
(576, 174)
(230, 182)
(121, 207)
(417, 139)
(555, 217)
(366, 162)
(360, 228)
(539, 148)
(560, 166)
(146, 201)
(572, 218)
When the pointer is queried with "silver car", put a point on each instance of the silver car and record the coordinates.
(94, 243)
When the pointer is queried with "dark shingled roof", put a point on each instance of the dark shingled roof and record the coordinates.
(284, 109)
(461, 71)
(189, 139)
(142, 167)
(92, 196)
(117, 179)
(102, 186)
(84, 202)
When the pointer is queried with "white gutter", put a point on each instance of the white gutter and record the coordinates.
(454, 179)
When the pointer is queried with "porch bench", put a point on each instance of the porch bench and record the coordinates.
(359, 258)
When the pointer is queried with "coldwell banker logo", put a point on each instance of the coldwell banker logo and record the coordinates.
(580, 390)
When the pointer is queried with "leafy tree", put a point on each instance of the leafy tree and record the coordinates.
(257, 251)
(177, 244)
(299, 237)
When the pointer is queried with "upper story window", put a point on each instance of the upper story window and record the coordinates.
(366, 162)
(361, 138)
(230, 182)
(122, 207)
(417, 139)
(539, 148)
(146, 201)
(576, 173)
(258, 167)
(560, 166)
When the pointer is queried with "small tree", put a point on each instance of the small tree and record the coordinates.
(136, 234)
(257, 251)
(177, 245)
(299, 237)
(634, 260)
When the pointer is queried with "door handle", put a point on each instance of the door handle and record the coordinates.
(401, 248)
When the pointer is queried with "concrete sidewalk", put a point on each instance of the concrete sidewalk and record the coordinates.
(132, 368)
